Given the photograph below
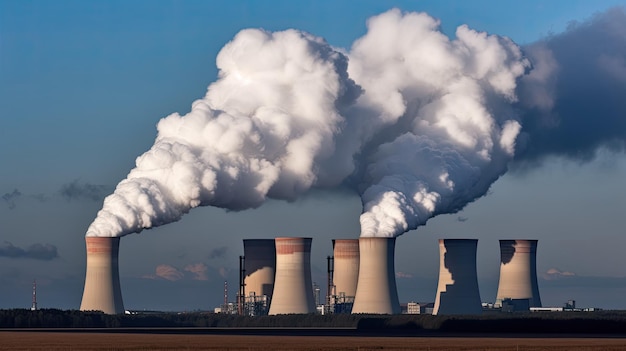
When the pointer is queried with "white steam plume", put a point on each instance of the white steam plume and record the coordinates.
(417, 123)
(261, 130)
(442, 105)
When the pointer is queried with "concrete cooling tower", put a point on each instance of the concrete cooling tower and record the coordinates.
(518, 273)
(376, 291)
(260, 266)
(293, 288)
(102, 281)
(457, 291)
(346, 266)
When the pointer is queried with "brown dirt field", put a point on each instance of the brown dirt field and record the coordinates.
(104, 341)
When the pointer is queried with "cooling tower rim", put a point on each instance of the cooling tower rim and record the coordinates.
(258, 243)
(292, 238)
(102, 238)
(377, 238)
(462, 240)
(529, 240)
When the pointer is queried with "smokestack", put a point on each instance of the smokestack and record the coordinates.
(376, 290)
(457, 292)
(293, 288)
(259, 266)
(346, 266)
(102, 281)
(518, 272)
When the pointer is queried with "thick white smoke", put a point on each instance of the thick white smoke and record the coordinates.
(261, 130)
(417, 123)
(447, 130)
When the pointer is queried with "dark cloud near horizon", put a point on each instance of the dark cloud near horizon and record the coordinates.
(76, 190)
(44, 252)
(556, 278)
(573, 101)
(218, 252)
(10, 198)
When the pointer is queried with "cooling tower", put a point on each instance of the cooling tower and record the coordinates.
(293, 289)
(346, 266)
(260, 266)
(518, 272)
(376, 291)
(102, 281)
(457, 291)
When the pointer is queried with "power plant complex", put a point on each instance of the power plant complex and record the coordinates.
(275, 277)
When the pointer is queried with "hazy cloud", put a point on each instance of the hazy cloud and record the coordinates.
(218, 252)
(223, 271)
(462, 219)
(10, 198)
(199, 271)
(403, 275)
(40, 197)
(44, 252)
(167, 272)
(557, 278)
(83, 191)
(554, 273)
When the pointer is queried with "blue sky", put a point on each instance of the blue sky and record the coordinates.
(83, 84)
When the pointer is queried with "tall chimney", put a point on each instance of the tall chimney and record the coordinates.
(518, 272)
(102, 281)
(457, 291)
(259, 266)
(293, 288)
(376, 290)
(346, 266)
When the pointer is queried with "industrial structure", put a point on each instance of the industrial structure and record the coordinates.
(293, 287)
(457, 291)
(257, 271)
(518, 286)
(33, 306)
(102, 281)
(376, 290)
(343, 275)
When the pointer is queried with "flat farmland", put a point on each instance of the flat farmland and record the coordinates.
(10, 340)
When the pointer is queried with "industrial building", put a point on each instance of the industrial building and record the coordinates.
(293, 288)
(376, 291)
(259, 268)
(102, 280)
(457, 291)
(518, 275)
(343, 275)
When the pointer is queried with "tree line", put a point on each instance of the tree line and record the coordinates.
(605, 322)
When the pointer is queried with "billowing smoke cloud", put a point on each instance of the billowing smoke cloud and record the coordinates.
(444, 108)
(573, 100)
(45, 252)
(10, 198)
(261, 131)
(76, 190)
(419, 125)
